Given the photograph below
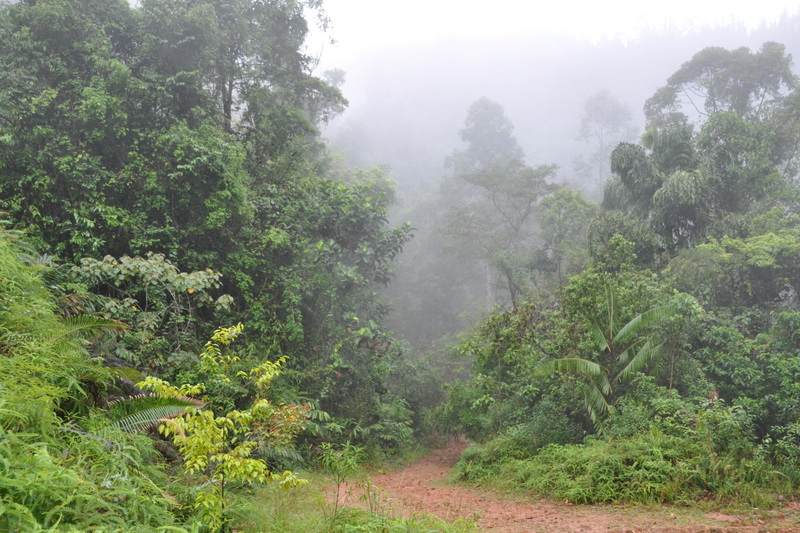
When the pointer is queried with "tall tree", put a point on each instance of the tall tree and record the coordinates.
(495, 197)
(564, 218)
(716, 80)
(248, 55)
(605, 123)
(685, 186)
(489, 136)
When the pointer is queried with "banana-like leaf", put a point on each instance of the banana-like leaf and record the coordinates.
(144, 411)
(596, 403)
(648, 353)
(643, 320)
(575, 365)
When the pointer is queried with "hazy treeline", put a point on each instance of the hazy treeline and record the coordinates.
(551, 90)
(641, 348)
(409, 103)
(193, 283)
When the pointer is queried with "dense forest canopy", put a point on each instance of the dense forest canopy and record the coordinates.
(194, 285)
(165, 166)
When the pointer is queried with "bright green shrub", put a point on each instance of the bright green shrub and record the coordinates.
(651, 467)
(55, 474)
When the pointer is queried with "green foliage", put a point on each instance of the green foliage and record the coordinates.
(663, 463)
(464, 411)
(685, 187)
(220, 446)
(54, 474)
(76, 482)
(143, 412)
(341, 462)
(564, 218)
(622, 344)
(159, 302)
(607, 225)
(717, 80)
(754, 271)
(178, 142)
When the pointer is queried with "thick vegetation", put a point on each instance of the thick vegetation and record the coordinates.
(665, 371)
(189, 283)
(161, 178)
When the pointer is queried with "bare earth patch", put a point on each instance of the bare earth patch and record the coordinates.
(421, 487)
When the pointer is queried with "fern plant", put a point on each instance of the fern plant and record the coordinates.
(145, 411)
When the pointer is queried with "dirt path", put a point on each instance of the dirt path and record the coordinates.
(421, 487)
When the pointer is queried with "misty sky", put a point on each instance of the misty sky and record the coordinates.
(363, 25)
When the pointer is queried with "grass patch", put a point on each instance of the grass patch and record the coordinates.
(306, 510)
(647, 468)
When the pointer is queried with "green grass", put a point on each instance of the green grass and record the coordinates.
(649, 468)
(305, 510)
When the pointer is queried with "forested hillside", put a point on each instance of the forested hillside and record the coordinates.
(162, 178)
(665, 368)
(190, 282)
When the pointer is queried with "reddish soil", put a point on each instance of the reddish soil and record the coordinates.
(422, 487)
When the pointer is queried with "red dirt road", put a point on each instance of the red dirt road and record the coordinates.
(421, 487)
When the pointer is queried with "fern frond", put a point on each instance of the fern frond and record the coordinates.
(87, 325)
(72, 330)
(145, 411)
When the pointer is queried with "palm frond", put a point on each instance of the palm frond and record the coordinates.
(611, 309)
(648, 353)
(145, 411)
(644, 320)
(596, 403)
(599, 337)
(575, 365)
(625, 355)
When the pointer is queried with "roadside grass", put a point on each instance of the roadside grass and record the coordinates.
(306, 509)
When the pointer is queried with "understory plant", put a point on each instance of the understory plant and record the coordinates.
(220, 447)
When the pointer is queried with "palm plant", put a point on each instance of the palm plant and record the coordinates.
(624, 351)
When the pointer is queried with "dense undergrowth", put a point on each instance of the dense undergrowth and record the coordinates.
(189, 305)
(67, 465)
(716, 421)
(651, 467)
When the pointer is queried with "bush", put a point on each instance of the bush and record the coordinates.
(651, 467)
